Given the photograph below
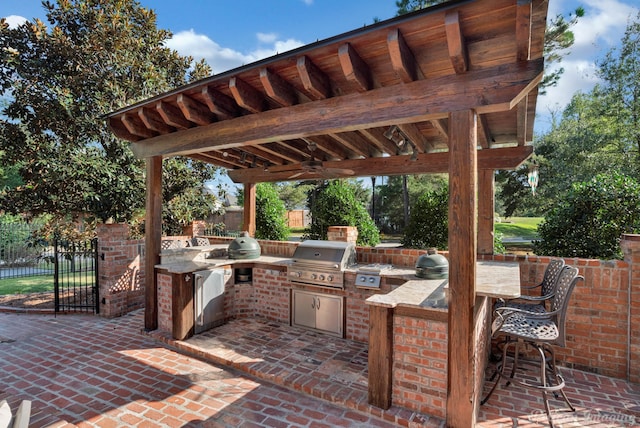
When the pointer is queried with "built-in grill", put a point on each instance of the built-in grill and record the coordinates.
(321, 263)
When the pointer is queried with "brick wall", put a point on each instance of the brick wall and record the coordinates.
(165, 316)
(420, 365)
(120, 270)
(271, 291)
(601, 310)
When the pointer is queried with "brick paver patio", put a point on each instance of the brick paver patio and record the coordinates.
(88, 371)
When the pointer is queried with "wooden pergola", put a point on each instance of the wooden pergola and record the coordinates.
(451, 88)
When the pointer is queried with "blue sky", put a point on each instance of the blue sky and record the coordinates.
(229, 33)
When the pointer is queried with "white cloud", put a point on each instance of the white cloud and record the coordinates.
(222, 59)
(599, 30)
(267, 37)
(15, 20)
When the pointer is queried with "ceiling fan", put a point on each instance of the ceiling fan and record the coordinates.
(317, 167)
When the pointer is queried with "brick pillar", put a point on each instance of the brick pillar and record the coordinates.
(631, 249)
(120, 270)
(198, 227)
(342, 233)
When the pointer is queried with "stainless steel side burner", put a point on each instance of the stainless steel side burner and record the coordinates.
(369, 275)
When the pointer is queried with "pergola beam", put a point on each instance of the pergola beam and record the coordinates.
(411, 102)
(426, 163)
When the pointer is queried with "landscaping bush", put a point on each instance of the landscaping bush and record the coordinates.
(336, 205)
(429, 221)
(590, 220)
(271, 214)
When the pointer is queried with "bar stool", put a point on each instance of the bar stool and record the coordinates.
(547, 288)
(541, 331)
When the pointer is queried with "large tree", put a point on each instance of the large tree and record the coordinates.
(597, 132)
(59, 81)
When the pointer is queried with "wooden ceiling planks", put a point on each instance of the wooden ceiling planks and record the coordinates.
(342, 94)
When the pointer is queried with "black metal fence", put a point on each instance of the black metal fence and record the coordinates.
(218, 229)
(22, 253)
(76, 276)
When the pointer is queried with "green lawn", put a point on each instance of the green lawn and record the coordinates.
(31, 284)
(519, 227)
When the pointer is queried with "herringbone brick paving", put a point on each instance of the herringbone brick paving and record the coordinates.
(88, 371)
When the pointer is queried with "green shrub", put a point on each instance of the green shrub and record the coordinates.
(336, 205)
(429, 221)
(271, 214)
(590, 220)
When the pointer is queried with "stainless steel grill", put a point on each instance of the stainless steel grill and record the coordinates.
(321, 263)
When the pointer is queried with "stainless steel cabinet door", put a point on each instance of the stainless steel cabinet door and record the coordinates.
(304, 311)
(329, 314)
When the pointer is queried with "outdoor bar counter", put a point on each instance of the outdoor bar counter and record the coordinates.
(408, 337)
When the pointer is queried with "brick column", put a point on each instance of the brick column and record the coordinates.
(342, 233)
(631, 249)
(120, 270)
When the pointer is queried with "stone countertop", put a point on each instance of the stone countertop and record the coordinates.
(493, 279)
(212, 263)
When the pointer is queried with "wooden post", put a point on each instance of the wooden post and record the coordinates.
(249, 222)
(462, 273)
(486, 207)
(380, 356)
(153, 238)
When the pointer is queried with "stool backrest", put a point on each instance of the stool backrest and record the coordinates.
(560, 302)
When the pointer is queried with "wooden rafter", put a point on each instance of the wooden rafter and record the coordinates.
(523, 29)
(314, 80)
(136, 127)
(172, 115)
(247, 97)
(219, 104)
(455, 42)
(194, 111)
(277, 88)
(402, 59)
(417, 101)
(354, 68)
(153, 121)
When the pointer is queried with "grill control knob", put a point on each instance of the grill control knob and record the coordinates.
(296, 274)
(330, 278)
(314, 276)
(371, 280)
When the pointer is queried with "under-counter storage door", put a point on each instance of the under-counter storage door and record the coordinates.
(209, 299)
(329, 314)
(304, 309)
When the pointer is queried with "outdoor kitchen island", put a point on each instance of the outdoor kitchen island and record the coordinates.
(404, 319)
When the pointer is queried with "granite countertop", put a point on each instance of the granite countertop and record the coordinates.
(186, 266)
(493, 279)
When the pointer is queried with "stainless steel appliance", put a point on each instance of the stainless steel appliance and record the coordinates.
(318, 311)
(208, 299)
(321, 263)
(368, 276)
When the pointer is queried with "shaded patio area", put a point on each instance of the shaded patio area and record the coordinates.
(92, 372)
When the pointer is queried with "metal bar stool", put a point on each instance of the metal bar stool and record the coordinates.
(547, 289)
(541, 331)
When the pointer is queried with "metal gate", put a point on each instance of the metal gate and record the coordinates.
(76, 276)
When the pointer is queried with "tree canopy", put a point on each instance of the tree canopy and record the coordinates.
(59, 80)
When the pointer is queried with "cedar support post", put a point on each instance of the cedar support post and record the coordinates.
(249, 221)
(153, 238)
(380, 356)
(462, 274)
(486, 208)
